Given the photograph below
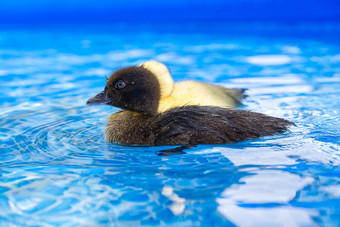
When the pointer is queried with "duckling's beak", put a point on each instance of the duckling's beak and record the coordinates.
(100, 98)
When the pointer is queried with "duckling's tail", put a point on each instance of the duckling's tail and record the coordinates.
(237, 94)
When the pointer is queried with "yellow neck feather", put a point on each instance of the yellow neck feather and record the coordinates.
(162, 73)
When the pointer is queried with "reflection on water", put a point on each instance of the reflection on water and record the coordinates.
(57, 169)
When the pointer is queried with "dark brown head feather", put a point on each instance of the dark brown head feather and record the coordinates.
(141, 92)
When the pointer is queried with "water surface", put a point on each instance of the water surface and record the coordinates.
(57, 170)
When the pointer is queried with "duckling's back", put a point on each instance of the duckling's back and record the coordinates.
(203, 94)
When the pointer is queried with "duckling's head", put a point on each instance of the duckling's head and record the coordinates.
(132, 88)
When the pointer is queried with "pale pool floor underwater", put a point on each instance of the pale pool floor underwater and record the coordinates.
(57, 170)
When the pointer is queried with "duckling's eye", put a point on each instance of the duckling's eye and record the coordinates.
(119, 84)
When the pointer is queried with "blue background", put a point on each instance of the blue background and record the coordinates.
(106, 11)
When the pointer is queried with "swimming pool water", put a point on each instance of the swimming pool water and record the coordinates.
(57, 170)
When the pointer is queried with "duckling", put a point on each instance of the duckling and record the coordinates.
(138, 92)
(191, 92)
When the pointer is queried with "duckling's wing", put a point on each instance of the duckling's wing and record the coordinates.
(213, 125)
(189, 125)
(176, 127)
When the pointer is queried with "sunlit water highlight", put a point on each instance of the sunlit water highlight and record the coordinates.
(57, 170)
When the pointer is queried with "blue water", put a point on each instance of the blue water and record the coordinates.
(57, 170)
